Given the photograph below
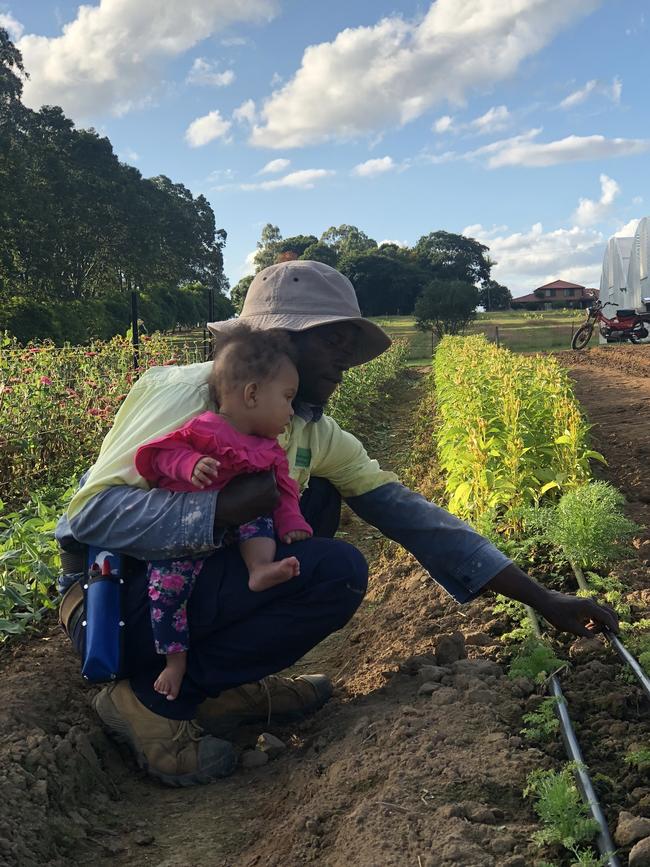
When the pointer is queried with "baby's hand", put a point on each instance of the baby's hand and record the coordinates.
(296, 536)
(205, 472)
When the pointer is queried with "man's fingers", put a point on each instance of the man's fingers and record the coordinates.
(603, 617)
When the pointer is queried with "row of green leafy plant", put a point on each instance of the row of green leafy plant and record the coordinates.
(515, 452)
(56, 405)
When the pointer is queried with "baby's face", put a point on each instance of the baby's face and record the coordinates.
(273, 410)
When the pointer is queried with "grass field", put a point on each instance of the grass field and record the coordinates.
(520, 331)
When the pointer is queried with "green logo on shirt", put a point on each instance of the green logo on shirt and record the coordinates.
(303, 457)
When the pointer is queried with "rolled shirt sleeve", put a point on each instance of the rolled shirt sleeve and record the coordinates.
(148, 525)
(457, 557)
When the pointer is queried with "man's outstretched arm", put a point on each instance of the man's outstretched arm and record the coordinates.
(465, 563)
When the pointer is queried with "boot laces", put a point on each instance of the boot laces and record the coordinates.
(188, 730)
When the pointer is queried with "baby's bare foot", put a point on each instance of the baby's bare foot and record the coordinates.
(270, 574)
(168, 682)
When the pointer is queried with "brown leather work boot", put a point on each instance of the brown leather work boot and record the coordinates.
(175, 752)
(274, 699)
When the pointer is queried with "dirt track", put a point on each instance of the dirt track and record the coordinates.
(382, 776)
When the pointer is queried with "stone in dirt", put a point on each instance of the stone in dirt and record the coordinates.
(428, 688)
(445, 695)
(254, 759)
(631, 828)
(450, 648)
(432, 673)
(478, 639)
(640, 854)
(477, 668)
(586, 648)
(271, 745)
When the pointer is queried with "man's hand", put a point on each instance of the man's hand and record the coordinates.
(578, 615)
(205, 472)
(295, 536)
(246, 498)
(567, 613)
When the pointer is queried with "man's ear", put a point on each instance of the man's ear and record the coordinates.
(250, 395)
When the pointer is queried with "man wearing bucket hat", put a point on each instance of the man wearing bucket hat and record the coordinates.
(240, 639)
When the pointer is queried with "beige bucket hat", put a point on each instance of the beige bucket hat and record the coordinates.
(299, 295)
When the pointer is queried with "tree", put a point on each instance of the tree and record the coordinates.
(446, 307)
(347, 240)
(385, 286)
(298, 244)
(453, 257)
(495, 296)
(267, 247)
(238, 293)
(318, 252)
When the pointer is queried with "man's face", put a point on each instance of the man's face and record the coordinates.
(324, 353)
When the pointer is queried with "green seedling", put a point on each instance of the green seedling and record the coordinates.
(535, 661)
(542, 724)
(564, 816)
(640, 759)
(514, 611)
(609, 589)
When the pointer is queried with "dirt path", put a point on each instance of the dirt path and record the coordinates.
(385, 774)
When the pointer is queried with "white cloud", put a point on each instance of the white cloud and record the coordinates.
(234, 41)
(305, 179)
(496, 118)
(111, 57)
(374, 167)
(13, 27)
(371, 78)
(590, 211)
(245, 113)
(205, 72)
(628, 230)
(443, 124)
(397, 243)
(207, 128)
(523, 150)
(526, 260)
(129, 155)
(611, 91)
(274, 166)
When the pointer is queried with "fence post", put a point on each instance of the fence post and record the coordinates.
(135, 331)
(496, 335)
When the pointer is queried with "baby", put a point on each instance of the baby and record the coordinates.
(254, 381)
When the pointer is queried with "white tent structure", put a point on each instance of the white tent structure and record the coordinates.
(613, 277)
(638, 274)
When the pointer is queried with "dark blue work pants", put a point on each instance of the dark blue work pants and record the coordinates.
(237, 636)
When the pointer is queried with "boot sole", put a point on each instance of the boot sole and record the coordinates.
(115, 725)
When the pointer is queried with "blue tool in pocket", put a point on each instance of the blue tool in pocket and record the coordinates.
(103, 623)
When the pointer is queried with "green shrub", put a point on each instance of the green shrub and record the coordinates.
(535, 660)
(588, 525)
(565, 818)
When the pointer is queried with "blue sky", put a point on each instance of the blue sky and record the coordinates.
(521, 122)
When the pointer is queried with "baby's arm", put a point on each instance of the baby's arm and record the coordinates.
(287, 517)
(176, 457)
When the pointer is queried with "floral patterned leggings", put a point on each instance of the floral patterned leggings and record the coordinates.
(170, 587)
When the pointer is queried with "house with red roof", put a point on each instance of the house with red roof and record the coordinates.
(558, 293)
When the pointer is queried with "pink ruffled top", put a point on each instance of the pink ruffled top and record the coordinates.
(168, 462)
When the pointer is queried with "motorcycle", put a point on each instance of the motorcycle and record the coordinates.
(624, 325)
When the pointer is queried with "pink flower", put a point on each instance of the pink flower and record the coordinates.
(154, 593)
(175, 647)
(173, 582)
(180, 620)
(45, 380)
(156, 613)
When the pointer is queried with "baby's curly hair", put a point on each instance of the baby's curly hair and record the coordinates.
(244, 354)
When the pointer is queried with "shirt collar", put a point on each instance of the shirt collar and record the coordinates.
(308, 411)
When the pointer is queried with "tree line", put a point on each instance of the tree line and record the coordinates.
(79, 230)
(443, 277)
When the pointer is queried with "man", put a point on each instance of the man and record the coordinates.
(240, 638)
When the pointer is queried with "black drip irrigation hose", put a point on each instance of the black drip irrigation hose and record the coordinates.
(603, 840)
(616, 643)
